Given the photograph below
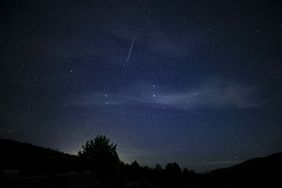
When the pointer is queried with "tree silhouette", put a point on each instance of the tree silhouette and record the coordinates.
(173, 169)
(158, 172)
(102, 155)
(173, 174)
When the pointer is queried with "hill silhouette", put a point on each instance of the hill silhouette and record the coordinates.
(31, 161)
(257, 171)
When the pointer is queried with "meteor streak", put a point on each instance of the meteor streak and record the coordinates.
(128, 56)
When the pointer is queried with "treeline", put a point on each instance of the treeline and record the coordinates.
(169, 176)
(98, 161)
(98, 164)
(100, 157)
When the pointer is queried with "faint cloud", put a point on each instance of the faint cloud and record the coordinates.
(99, 99)
(166, 45)
(212, 95)
(223, 162)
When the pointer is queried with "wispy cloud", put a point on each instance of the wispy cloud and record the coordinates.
(213, 96)
(99, 99)
(227, 162)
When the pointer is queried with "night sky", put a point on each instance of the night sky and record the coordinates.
(196, 82)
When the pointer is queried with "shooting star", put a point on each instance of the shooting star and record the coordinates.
(128, 56)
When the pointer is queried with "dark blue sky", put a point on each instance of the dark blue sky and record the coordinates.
(196, 82)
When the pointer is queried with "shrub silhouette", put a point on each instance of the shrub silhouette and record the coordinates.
(102, 156)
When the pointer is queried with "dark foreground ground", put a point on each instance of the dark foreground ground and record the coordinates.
(88, 180)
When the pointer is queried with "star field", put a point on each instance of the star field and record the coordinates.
(196, 82)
